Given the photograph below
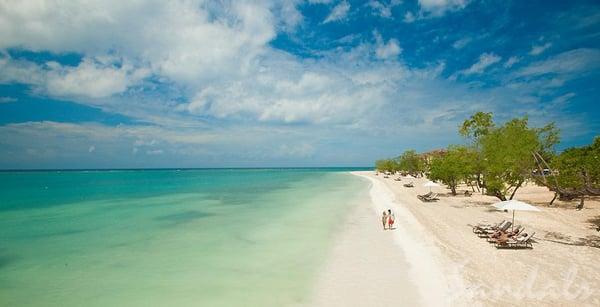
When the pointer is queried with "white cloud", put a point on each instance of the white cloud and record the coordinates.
(339, 12)
(439, 7)
(388, 50)
(537, 50)
(289, 15)
(562, 100)
(511, 61)
(566, 63)
(92, 79)
(164, 37)
(461, 43)
(214, 61)
(409, 17)
(381, 9)
(485, 60)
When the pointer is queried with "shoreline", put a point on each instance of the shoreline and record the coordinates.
(434, 252)
(561, 268)
(433, 275)
(364, 267)
(371, 267)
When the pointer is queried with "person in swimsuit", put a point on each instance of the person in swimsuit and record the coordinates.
(391, 218)
(384, 219)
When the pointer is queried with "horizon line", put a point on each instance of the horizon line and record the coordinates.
(176, 168)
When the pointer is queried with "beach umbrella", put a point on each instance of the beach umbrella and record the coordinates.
(430, 184)
(514, 205)
(409, 176)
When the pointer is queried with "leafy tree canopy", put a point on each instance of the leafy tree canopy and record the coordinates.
(454, 167)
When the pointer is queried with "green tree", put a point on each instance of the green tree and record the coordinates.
(577, 171)
(478, 125)
(386, 165)
(411, 163)
(453, 168)
(475, 128)
(508, 157)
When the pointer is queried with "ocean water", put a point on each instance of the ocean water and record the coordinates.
(168, 237)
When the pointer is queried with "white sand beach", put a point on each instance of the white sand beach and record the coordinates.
(433, 258)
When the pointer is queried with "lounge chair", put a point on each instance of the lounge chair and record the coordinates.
(481, 226)
(486, 233)
(519, 242)
(468, 193)
(409, 185)
(513, 234)
(398, 179)
(429, 197)
(425, 195)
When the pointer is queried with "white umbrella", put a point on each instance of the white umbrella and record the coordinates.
(430, 184)
(409, 176)
(515, 205)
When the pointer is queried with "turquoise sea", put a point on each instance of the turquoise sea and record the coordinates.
(216, 237)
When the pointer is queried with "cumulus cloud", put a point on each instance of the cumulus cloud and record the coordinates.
(537, 50)
(339, 12)
(388, 50)
(218, 90)
(164, 36)
(92, 79)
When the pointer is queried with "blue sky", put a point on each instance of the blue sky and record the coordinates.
(108, 84)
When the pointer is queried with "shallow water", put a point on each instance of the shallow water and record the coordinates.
(167, 237)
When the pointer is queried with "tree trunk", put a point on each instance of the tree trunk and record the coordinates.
(500, 195)
(580, 206)
(453, 189)
(516, 188)
(483, 186)
(553, 198)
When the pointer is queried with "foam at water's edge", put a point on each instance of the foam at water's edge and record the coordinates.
(423, 256)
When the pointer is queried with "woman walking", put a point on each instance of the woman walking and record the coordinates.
(390, 219)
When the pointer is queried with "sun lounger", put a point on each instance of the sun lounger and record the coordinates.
(409, 185)
(519, 242)
(425, 195)
(481, 227)
(488, 232)
(398, 179)
(468, 193)
(512, 234)
(429, 197)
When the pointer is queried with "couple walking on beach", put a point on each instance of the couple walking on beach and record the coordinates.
(387, 219)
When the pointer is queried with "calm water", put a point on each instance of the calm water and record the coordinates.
(192, 237)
